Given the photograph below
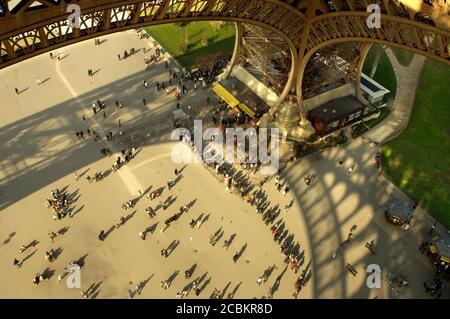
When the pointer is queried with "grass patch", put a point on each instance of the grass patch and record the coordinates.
(404, 57)
(418, 160)
(385, 74)
(203, 40)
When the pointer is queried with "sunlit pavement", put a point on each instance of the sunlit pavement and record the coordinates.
(39, 152)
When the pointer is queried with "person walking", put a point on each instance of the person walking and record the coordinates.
(38, 81)
(350, 169)
(16, 263)
(120, 124)
(433, 227)
(144, 101)
(17, 91)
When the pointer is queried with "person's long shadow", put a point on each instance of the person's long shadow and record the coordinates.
(152, 228)
(24, 90)
(64, 189)
(182, 169)
(107, 173)
(276, 285)
(95, 72)
(191, 203)
(27, 257)
(63, 230)
(233, 293)
(135, 153)
(147, 190)
(33, 243)
(174, 244)
(109, 231)
(206, 218)
(79, 209)
(177, 179)
(81, 260)
(192, 269)
(57, 252)
(64, 56)
(48, 273)
(199, 218)
(201, 278)
(225, 290)
(243, 248)
(169, 201)
(205, 284)
(45, 80)
(144, 283)
(129, 216)
(220, 235)
(172, 277)
(217, 232)
(269, 271)
(95, 290)
(230, 240)
(84, 173)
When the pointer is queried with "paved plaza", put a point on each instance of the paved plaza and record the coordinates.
(39, 152)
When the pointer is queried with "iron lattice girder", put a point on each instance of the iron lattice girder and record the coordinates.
(266, 55)
(306, 25)
(331, 65)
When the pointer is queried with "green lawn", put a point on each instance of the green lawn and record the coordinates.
(221, 41)
(404, 57)
(419, 159)
(385, 74)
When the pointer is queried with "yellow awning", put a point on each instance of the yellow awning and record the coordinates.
(445, 259)
(225, 95)
(246, 109)
(433, 249)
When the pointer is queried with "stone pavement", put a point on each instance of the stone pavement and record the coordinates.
(39, 152)
(408, 80)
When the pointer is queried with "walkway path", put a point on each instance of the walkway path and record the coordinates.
(408, 80)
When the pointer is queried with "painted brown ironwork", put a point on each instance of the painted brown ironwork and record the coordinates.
(30, 27)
